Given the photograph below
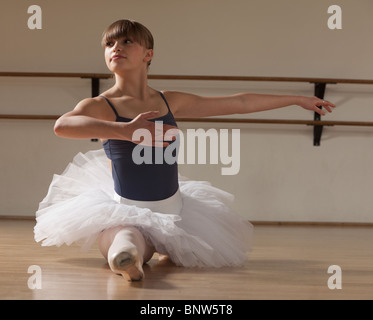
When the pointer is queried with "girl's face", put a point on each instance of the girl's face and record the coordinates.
(125, 54)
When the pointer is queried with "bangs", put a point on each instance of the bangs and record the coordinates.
(128, 29)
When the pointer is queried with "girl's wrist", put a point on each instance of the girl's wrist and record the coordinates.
(298, 100)
(122, 131)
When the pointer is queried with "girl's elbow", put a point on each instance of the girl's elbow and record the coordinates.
(59, 128)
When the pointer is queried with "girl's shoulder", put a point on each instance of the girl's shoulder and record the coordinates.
(96, 107)
(179, 101)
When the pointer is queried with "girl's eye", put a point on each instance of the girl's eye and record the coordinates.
(111, 43)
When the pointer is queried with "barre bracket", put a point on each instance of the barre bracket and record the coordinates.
(318, 129)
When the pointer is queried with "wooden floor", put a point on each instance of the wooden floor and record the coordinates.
(288, 262)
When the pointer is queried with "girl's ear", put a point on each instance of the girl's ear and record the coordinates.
(149, 55)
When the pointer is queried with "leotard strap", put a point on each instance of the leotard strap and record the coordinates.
(116, 112)
(164, 99)
(111, 105)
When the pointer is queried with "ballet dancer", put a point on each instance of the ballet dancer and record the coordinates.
(134, 210)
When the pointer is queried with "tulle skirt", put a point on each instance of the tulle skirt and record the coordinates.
(203, 231)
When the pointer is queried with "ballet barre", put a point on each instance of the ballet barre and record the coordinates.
(319, 91)
(216, 120)
(187, 77)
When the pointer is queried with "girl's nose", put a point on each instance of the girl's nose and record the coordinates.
(116, 46)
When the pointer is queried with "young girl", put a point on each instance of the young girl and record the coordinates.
(151, 208)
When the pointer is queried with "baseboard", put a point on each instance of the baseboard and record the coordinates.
(17, 217)
(257, 223)
(312, 223)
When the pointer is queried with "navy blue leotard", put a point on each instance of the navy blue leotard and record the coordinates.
(143, 182)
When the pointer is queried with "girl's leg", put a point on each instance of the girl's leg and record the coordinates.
(126, 250)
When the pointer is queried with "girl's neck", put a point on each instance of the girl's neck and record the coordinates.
(133, 84)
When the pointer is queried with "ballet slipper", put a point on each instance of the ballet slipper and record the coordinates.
(127, 262)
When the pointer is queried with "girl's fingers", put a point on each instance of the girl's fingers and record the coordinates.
(324, 104)
(149, 133)
(148, 115)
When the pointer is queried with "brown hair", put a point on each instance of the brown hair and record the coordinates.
(131, 29)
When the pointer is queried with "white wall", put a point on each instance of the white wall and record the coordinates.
(283, 177)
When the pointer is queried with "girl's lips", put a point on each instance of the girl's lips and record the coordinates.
(117, 56)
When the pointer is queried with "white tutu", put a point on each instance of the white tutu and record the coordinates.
(80, 204)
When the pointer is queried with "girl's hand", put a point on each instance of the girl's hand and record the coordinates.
(149, 133)
(315, 104)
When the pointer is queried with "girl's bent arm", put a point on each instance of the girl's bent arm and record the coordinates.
(87, 121)
(90, 120)
(75, 126)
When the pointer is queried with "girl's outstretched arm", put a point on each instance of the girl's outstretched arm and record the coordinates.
(194, 106)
